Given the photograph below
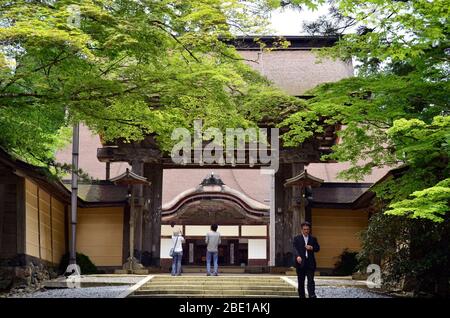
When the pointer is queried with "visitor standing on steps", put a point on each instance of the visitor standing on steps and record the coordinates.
(177, 250)
(212, 240)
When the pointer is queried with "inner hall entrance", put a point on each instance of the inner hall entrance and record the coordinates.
(242, 223)
(232, 252)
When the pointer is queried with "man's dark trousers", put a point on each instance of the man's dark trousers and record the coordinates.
(308, 272)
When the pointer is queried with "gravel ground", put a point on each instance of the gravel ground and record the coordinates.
(111, 292)
(346, 292)
(342, 288)
(87, 292)
(336, 282)
(131, 280)
(114, 291)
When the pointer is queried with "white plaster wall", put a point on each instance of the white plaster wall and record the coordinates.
(167, 230)
(257, 249)
(201, 230)
(254, 230)
(166, 245)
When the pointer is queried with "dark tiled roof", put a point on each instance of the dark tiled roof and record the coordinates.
(296, 41)
(327, 193)
(248, 181)
(41, 175)
(100, 192)
(339, 193)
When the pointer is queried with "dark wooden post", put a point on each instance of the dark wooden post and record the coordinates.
(108, 170)
(135, 182)
(137, 167)
(74, 195)
(299, 183)
(297, 202)
(282, 223)
(152, 219)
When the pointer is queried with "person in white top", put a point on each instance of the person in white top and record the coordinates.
(177, 241)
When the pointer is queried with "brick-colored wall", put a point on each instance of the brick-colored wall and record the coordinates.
(296, 71)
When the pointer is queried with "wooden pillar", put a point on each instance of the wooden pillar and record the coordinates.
(137, 166)
(147, 228)
(126, 234)
(272, 218)
(108, 171)
(152, 219)
(290, 212)
(279, 198)
(297, 201)
(280, 213)
(308, 212)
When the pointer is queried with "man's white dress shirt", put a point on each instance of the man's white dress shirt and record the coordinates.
(306, 243)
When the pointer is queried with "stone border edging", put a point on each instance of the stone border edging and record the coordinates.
(134, 287)
(292, 283)
(289, 281)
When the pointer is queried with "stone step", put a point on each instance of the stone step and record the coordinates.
(294, 273)
(208, 296)
(213, 283)
(221, 269)
(220, 276)
(227, 278)
(142, 271)
(215, 279)
(222, 286)
(231, 292)
(229, 287)
(200, 285)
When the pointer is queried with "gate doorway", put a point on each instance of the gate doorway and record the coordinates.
(231, 252)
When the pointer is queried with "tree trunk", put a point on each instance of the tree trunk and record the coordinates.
(443, 279)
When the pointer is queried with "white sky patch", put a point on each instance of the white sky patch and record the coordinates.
(289, 21)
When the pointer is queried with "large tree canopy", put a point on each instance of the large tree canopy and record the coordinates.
(127, 69)
(395, 111)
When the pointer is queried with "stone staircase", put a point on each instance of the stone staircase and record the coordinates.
(237, 286)
(222, 269)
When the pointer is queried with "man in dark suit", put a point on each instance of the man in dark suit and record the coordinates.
(305, 246)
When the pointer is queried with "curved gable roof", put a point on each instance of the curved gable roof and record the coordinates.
(215, 192)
